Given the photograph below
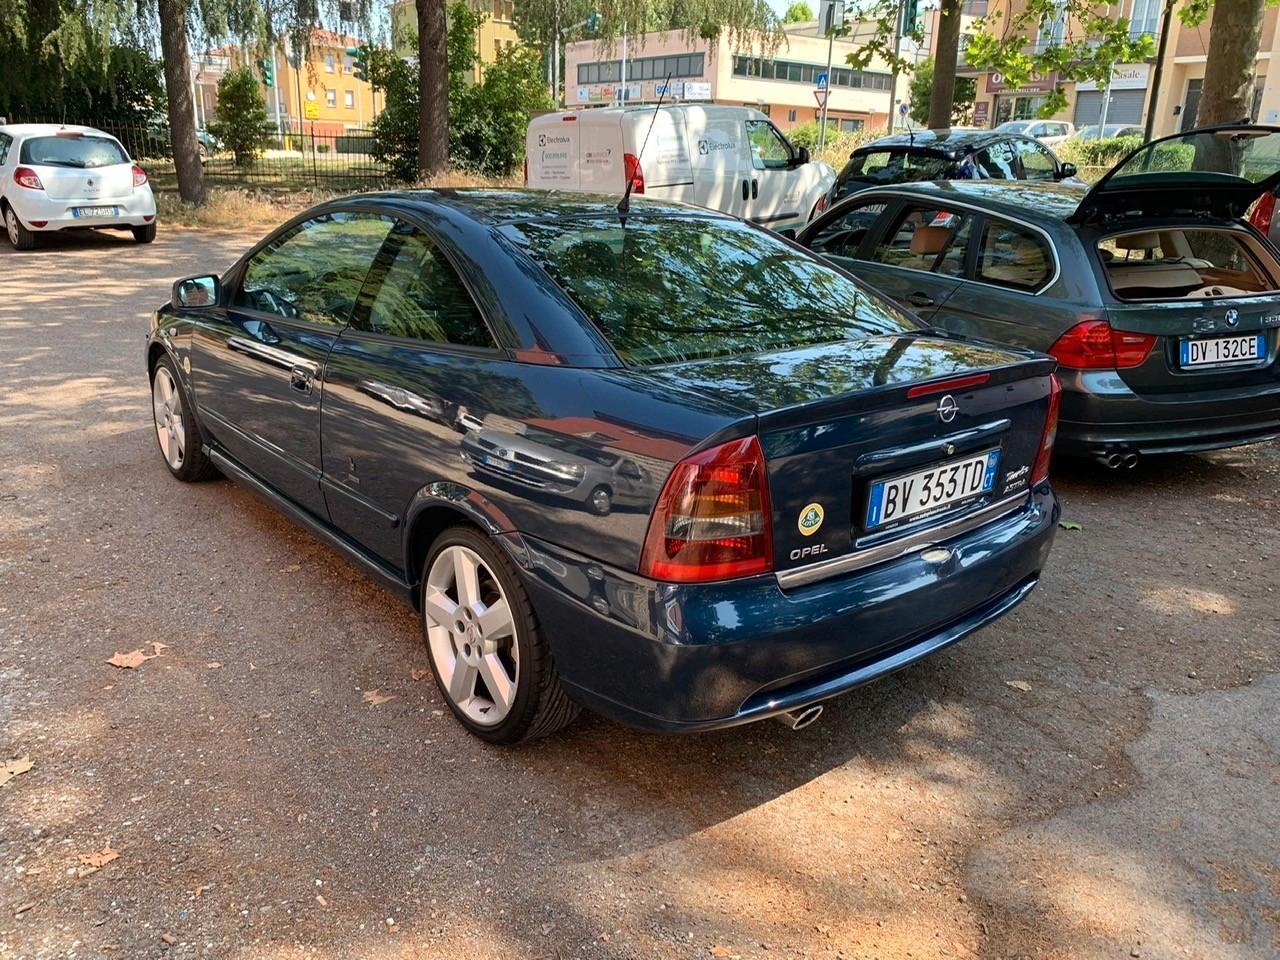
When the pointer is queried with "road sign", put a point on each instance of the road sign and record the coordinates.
(821, 97)
(311, 110)
(821, 81)
(903, 109)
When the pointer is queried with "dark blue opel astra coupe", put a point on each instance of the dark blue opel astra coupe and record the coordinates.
(665, 465)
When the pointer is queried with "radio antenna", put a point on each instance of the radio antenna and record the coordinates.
(624, 205)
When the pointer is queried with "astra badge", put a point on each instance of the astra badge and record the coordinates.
(810, 519)
(1232, 317)
(948, 408)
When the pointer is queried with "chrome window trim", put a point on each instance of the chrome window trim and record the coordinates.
(801, 576)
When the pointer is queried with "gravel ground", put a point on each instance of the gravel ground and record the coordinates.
(1098, 775)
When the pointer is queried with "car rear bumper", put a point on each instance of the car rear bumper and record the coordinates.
(685, 658)
(135, 209)
(1101, 417)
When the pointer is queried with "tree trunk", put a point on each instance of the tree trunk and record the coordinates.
(943, 95)
(177, 82)
(433, 88)
(1235, 33)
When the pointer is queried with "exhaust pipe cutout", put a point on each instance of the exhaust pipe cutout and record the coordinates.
(1119, 459)
(799, 719)
(1130, 461)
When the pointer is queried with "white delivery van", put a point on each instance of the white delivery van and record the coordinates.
(730, 159)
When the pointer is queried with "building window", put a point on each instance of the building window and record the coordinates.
(805, 73)
(346, 65)
(644, 68)
(349, 98)
(328, 63)
(791, 116)
(497, 48)
(850, 126)
(331, 97)
(504, 10)
(1145, 17)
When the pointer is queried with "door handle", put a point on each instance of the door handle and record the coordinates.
(919, 299)
(746, 190)
(302, 377)
(755, 188)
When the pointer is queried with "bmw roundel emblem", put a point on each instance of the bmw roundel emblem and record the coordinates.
(1232, 317)
(948, 408)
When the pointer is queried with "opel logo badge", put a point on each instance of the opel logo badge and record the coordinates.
(1233, 317)
(948, 408)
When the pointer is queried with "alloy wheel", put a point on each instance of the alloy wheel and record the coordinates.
(11, 224)
(166, 406)
(471, 635)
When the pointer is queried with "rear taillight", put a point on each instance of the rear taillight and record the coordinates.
(712, 520)
(1262, 212)
(633, 172)
(1093, 345)
(1040, 472)
(139, 176)
(822, 204)
(26, 177)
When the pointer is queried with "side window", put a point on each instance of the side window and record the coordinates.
(1037, 162)
(928, 239)
(420, 296)
(996, 162)
(843, 235)
(769, 151)
(1012, 256)
(314, 272)
(5, 141)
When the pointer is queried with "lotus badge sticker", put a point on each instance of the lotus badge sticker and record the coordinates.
(810, 519)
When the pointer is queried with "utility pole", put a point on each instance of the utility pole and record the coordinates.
(1158, 74)
(832, 20)
(624, 64)
(898, 27)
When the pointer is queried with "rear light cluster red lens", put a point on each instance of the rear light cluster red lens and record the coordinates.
(139, 176)
(1093, 345)
(947, 386)
(712, 521)
(1040, 471)
(26, 177)
(1262, 212)
(633, 172)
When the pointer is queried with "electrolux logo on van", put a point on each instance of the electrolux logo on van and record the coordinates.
(706, 147)
(552, 138)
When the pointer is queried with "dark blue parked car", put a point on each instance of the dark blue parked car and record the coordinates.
(665, 465)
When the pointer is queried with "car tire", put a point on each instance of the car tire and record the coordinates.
(177, 432)
(467, 643)
(600, 501)
(19, 236)
(144, 234)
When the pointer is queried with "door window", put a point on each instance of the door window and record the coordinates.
(1037, 162)
(769, 150)
(420, 296)
(314, 271)
(5, 140)
(996, 162)
(1013, 256)
(842, 236)
(927, 239)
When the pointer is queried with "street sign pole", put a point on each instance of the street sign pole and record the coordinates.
(899, 27)
(832, 19)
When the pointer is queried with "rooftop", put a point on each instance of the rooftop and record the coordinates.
(1042, 201)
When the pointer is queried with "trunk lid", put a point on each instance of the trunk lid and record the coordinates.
(1211, 171)
(836, 420)
(97, 183)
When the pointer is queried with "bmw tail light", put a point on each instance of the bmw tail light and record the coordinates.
(633, 172)
(26, 177)
(1040, 471)
(712, 520)
(1094, 345)
(139, 176)
(1262, 212)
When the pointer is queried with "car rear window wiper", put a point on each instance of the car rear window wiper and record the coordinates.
(78, 164)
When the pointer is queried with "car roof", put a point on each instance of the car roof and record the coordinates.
(1027, 201)
(955, 141)
(46, 129)
(513, 205)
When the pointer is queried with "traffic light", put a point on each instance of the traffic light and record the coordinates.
(910, 16)
(360, 64)
(593, 21)
(268, 71)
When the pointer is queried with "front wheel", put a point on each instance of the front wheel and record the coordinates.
(487, 652)
(181, 443)
(601, 501)
(19, 236)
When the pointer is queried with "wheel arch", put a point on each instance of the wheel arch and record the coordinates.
(438, 506)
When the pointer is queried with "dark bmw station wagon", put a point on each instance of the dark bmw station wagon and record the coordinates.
(659, 462)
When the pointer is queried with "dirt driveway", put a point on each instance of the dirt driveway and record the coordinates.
(1097, 775)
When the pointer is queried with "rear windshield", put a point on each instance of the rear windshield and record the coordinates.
(1181, 265)
(667, 289)
(895, 166)
(1252, 155)
(77, 151)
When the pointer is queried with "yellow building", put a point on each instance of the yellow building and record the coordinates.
(496, 33)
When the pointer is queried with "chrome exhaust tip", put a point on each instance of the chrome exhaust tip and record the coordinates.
(1130, 461)
(799, 719)
(1113, 461)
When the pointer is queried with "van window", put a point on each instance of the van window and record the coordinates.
(668, 289)
(1181, 265)
(769, 151)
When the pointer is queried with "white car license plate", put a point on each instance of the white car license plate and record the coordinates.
(1217, 351)
(94, 211)
(932, 488)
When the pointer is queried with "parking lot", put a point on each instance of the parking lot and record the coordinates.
(1096, 775)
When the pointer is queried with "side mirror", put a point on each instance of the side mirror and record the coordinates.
(802, 157)
(1066, 171)
(201, 291)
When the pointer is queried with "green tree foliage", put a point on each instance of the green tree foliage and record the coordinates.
(395, 129)
(125, 90)
(799, 12)
(241, 114)
(921, 84)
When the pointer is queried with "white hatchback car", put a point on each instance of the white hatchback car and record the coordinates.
(70, 178)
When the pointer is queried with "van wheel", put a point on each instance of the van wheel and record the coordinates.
(19, 236)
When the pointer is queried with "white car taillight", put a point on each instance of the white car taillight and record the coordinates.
(139, 176)
(26, 177)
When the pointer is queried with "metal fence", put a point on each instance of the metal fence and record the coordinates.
(291, 160)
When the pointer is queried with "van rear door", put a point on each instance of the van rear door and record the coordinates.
(663, 152)
(553, 152)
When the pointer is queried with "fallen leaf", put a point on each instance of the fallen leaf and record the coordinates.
(293, 568)
(1018, 685)
(159, 648)
(169, 938)
(374, 698)
(12, 768)
(213, 664)
(1069, 525)
(130, 660)
(419, 674)
(101, 858)
(720, 951)
(321, 900)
